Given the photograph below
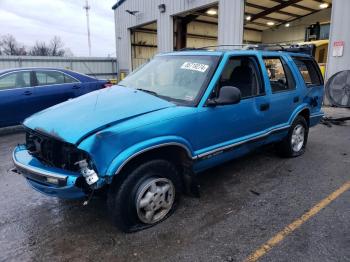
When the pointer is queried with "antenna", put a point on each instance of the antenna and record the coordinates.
(87, 8)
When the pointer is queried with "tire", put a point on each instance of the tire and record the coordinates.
(294, 143)
(152, 186)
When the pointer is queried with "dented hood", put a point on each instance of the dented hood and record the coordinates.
(78, 118)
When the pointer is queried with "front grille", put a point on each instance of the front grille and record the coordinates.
(53, 152)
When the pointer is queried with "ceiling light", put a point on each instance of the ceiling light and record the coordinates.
(324, 5)
(287, 25)
(248, 18)
(212, 12)
(270, 23)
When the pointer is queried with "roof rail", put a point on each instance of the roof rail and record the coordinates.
(294, 48)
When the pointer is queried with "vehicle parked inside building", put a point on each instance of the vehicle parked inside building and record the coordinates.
(25, 91)
(183, 112)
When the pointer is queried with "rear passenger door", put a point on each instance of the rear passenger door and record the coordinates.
(284, 96)
(54, 87)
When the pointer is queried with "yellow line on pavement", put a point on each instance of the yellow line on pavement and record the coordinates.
(261, 251)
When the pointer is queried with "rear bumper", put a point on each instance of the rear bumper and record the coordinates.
(47, 180)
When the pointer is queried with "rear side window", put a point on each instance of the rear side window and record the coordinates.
(69, 79)
(309, 71)
(281, 78)
(15, 80)
(49, 78)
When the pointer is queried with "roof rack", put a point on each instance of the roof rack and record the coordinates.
(294, 48)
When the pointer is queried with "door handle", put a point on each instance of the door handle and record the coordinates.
(75, 87)
(296, 99)
(27, 93)
(264, 107)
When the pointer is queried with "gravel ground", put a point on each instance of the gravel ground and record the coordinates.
(243, 204)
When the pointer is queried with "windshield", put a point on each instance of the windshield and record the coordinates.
(179, 78)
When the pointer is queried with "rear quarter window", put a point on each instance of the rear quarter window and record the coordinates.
(309, 71)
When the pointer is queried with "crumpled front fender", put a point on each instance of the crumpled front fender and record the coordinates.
(125, 156)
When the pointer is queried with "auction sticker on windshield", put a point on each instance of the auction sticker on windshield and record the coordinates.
(195, 67)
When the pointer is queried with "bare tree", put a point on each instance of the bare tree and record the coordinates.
(56, 47)
(40, 49)
(10, 46)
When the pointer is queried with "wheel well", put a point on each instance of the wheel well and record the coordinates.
(173, 153)
(306, 114)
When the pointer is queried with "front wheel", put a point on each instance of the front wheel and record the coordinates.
(295, 142)
(147, 196)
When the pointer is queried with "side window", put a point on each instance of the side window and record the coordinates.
(309, 71)
(281, 78)
(49, 78)
(15, 80)
(68, 79)
(243, 73)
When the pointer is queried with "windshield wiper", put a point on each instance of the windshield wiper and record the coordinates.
(148, 91)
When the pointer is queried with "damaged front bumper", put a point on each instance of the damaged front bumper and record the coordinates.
(50, 180)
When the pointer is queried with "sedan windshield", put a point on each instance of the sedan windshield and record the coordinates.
(176, 78)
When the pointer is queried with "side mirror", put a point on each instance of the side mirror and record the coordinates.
(228, 95)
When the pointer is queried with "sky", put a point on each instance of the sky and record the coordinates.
(40, 20)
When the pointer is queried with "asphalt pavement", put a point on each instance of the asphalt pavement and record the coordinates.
(243, 204)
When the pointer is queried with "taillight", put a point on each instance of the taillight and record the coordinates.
(107, 84)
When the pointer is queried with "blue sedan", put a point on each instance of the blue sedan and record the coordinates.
(25, 91)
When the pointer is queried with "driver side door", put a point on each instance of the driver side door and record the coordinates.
(223, 128)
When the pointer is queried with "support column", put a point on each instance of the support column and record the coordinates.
(339, 31)
(231, 18)
(165, 33)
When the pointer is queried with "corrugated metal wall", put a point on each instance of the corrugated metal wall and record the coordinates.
(339, 32)
(231, 14)
(103, 68)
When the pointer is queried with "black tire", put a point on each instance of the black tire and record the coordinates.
(285, 147)
(122, 196)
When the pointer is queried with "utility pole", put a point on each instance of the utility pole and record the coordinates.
(87, 8)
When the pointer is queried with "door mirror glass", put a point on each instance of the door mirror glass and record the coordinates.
(228, 95)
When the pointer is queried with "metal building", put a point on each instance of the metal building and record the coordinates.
(146, 27)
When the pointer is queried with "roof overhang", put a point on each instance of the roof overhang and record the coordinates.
(117, 4)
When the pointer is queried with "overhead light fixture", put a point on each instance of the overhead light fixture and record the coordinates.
(212, 12)
(287, 25)
(324, 5)
(248, 18)
(270, 23)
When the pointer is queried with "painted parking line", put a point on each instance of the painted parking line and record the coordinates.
(266, 247)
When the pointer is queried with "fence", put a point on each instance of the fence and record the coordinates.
(104, 68)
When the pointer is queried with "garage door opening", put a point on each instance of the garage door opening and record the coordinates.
(197, 28)
(143, 44)
(290, 22)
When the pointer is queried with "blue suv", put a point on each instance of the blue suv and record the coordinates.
(146, 139)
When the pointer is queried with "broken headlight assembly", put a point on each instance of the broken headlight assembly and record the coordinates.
(88, 173)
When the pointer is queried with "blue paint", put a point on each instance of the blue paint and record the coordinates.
(113, 125)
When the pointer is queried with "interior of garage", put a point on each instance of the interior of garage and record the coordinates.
(196, 28)
(265, 22)
(143, 43)
(290, 22)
